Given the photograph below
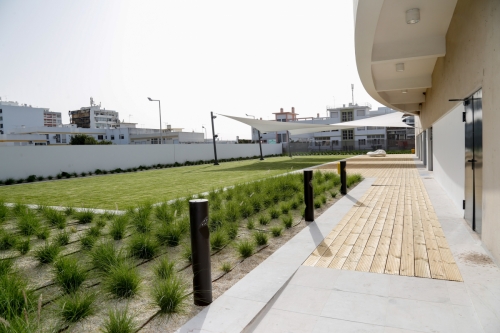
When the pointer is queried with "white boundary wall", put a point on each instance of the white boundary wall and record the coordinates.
(449, 154)
(20, 162)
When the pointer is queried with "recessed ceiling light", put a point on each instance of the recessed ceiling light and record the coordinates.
(404, 91)
(413, 16)
(400, 67)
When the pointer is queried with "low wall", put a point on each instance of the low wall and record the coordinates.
(20, 162)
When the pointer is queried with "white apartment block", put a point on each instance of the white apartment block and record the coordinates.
(362, 138)
(14, 115)
(94, 116)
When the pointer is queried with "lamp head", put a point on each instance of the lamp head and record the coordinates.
(150, 98)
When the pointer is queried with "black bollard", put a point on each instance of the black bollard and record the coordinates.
(343, 178)
(308, 196)
(200, 245)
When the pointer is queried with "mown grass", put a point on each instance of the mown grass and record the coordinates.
(129, 188)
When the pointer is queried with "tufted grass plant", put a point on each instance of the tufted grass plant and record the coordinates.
(55, 218)
(264, 219)
(69, 211)
(318, 203)
(6, 266)
(143, 246)
(8, 240)
(218, 239)
(232, 230)
(226, 267)
(47, 253)
(276, 231)
(274, 213)
(163, 213)
(260, 238)
(164, 268)
(23, 246)
(250, 224)
(106, 255)
(62, 238)
(122, 280)
(77, 306)
(69, 274)
(43, 233)
(15, 297)
(85, 216)
(4, 211)
(172, 234)
(87, 242)
(245, 248)
(28, 223)
(118, 226)
(187, 252)
(170, 295)
(119, 321)
(353, 179)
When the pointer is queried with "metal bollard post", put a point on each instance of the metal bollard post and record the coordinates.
(343, 178)
(200, 245)
(308, 196)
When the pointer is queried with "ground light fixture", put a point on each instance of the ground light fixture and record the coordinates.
(159, 108)
(400, 67)
(413, 16)
(260, 138)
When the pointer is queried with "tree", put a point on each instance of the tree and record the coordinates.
(84, 139)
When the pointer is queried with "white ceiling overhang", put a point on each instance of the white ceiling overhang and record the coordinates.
(265, 126)
(384, 39)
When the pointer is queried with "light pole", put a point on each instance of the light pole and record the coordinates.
(260, 141)
(159, 108)
(205, 132)
(212, 117)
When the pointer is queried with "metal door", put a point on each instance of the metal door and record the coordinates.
(474, 160)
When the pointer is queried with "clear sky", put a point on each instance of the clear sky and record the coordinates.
(230, 57)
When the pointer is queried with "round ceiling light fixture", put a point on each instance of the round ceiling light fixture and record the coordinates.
(400, 67)
(413, 16)
(404, 91)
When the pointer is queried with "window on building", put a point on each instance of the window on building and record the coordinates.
(335, 142)
(360, 113)
(362, 142)
(0, 110)
(122, 136)
(334, 114)
(1, 125)
(100, 137)
(347, 134)
(112, 137)
(1, 118)
(360, 129)
(346, 115)
(1, 132)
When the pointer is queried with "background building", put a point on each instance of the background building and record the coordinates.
(361, 138)
(94, 117)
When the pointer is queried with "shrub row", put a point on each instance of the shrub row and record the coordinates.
(66, 175)
(351, 152)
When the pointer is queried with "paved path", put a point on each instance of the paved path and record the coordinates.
(283, 295)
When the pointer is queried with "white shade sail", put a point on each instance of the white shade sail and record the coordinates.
(297, 127)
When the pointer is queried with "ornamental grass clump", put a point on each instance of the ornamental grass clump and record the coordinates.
(20, 209)
(143, 246)
(43, 233)
(47, 253)
(23, 246)
(28, 224)
(218, 239)
(106, 255)
(15, 296)
(170, 295)
(119, 321)
(87, 242)
(274, 213)
(4, 211)
(69, 274)
(216, 220)
(85, 216)
(69, 211)
(285, 207)
(118, 226)
(7, 240)
(5, 267)
(260, 238)
(276, 231)
(231, 211)
(264, 219)
(55, 218)
(353, 179)
(250, 224)
(77, 306)
(287, 221)
(62, 238)
(164, 268)
(122, 280)
(163, 213)
(245, 248)
(317, 203)
(226, 267)
(232, 230)
(172, 234)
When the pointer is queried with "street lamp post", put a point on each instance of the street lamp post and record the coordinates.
(205, 132)
(212, 117)
(159, 110)
(260, 138)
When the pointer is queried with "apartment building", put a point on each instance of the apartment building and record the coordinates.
(361, 138)
(94, 116)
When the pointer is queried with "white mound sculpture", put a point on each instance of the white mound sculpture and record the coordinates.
(376, 153)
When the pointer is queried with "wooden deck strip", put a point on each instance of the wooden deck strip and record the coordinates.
(393, 229)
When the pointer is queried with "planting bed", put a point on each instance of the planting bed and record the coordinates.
(83, 272)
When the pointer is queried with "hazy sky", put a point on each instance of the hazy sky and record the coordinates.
(230, 57)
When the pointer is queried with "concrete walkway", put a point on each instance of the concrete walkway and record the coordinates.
(283, 295)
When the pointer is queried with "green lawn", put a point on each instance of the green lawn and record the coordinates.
(123, 190)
